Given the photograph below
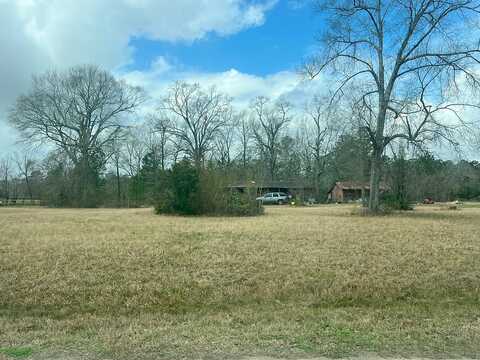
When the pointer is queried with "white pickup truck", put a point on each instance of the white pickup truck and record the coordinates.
(278, 198)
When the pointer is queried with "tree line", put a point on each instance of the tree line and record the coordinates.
(85, 116)
(99, 156)
(402, 75)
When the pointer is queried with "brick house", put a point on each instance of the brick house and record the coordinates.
(346, 191)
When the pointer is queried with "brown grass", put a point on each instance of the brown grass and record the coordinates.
(295, 282)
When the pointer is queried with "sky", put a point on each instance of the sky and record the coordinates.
(246, 48)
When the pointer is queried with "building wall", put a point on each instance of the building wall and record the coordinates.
(352, 194)
(336, 195)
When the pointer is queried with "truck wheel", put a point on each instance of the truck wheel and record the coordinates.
(280, 202)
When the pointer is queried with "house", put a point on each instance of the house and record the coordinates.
(346, 191)
(289, 187)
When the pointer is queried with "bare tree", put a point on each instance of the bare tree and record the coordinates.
(244, 133)
(269, 122)
(196, 117)
(161, 139)
(133, 151)
(5, 173)
(115, 159)
(224, 141)
(26, 165)
(159, 153)
(132, 154)
(81, 111)
(223, 146)
(324, 125)
(396, 50)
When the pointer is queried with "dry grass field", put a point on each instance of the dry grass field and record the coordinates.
(297, 282)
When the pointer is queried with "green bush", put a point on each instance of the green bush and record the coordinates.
(397, 197)
(180, 192)
(188, 191)
(164, 202)
(395, 201)
(240, 204)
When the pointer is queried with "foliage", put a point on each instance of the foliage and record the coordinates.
(217, 199)
(181, 193)
(188, 191)
(239, 204)
(397, 197)
(134, 167)
(80, 111)
(136, 190)
(351, 157)
(87, 180)
(395, 201)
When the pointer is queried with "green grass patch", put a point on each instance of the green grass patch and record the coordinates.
(16, 352)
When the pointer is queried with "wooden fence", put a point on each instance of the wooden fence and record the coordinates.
(20, 202)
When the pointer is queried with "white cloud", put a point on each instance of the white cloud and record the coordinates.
(80, 25)
(37, 35)
(242, 87)
(73, 31)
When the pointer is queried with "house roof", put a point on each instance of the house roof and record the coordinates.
(356, 185)
(272, 184)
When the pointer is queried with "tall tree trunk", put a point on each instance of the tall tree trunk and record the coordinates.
(29, 188)
(374, 200)
(378, 147)
(162, 158)
(272, 170)
(7, 190)
(199, 159)
(118, 182)
(86, 196)
(84, 183)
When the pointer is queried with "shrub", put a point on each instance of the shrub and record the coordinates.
(187, 191)
(180, 193)
(164, 202)
(240, 204)
(397, 198)
(217, 199)
(395, 201)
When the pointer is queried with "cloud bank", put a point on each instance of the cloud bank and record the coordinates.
(38, 35)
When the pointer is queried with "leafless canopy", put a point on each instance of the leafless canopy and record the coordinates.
(160, 139)
(324, 124)
(5, 175)
(244, 135)
(26, 164)
(80, 111)
(408, 59)
(133, 151)
(269, 121)
(196, 117)
(224, 141)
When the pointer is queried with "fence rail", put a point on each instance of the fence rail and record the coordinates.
(20, 202)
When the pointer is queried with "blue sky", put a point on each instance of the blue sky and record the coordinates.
(279, 44)
(246, 48)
